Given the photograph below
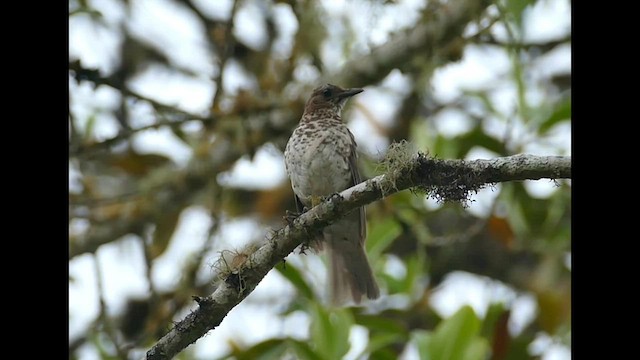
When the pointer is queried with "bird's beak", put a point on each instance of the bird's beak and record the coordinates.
(350, 92)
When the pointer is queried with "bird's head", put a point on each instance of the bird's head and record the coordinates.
(329, 99)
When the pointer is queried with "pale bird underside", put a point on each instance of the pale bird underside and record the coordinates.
(321, 160)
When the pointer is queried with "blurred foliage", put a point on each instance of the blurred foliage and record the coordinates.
(521, 241)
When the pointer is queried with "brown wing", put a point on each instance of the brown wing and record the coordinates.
(355, 177)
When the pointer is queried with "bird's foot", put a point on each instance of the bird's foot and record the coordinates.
(290, 216)
(313, 242)
(333, 196)
(304, 246)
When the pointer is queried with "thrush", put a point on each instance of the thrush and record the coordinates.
(321, 160)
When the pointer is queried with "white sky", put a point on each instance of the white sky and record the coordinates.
(169, 25)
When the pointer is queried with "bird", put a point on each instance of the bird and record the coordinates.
(321, 160)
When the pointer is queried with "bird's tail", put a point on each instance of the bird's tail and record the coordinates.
(350, 273)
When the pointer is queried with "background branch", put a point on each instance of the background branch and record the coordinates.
(427, 39)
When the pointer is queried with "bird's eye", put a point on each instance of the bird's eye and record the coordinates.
(326, 93)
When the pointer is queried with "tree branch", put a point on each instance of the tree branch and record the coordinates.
(444, 26)
(447, 180)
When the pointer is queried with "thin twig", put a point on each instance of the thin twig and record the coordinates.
(223, 55)
(145, 241)
(92, 75)
(125, 134)
(104, 318)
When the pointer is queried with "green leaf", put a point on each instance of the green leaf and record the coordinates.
(89, 128)
(415, 270)
(539, 219)
(414, 218)
(381, 341)
(422, 339)
(494, 312)
(294, 276)
(423, 136)
(558, 222)
(165, 228)
(448, 148)
(480, 138)
(381, 235)
(560, 112)
(266, 350)
(455, 337)
(303, 350)
(485, 101)
(515, 9)
(383, 354)
(519, 348)
(98, 340)
(381, 324)
(477, 350)
(460, 146)
(330, 331)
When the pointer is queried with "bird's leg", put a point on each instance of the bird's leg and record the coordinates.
(312, 238)
(289, 216)
(316, 200)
